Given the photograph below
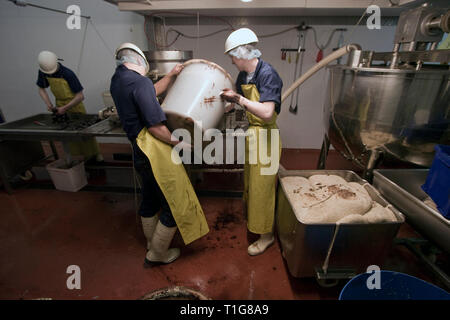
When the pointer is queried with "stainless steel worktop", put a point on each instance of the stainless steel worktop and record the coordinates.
(43, 127)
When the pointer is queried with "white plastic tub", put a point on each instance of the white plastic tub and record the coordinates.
(71, 179)
(195, 96)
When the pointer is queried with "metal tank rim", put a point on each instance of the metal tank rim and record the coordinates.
(169, 55)
(387, 70)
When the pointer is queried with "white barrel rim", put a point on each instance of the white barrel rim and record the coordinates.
(212, 64)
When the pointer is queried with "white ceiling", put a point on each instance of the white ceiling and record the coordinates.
(264, 7)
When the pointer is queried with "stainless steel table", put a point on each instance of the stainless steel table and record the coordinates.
(43, 127)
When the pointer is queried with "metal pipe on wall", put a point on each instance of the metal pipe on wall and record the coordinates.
(331, 57)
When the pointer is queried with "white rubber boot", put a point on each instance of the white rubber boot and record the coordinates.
(260, 245)
(159, 249)
(149, 225)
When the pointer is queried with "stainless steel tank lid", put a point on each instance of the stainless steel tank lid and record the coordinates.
(168, 55)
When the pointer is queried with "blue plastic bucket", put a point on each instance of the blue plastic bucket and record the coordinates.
(393, 286)
(437, 185)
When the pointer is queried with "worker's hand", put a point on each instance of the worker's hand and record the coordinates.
(229, 106)
(51, 108)
(176, 70)
(61, 110)
(230, 96)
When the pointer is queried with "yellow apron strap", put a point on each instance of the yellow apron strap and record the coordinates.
(259, 190)
(63, 95)
(445, 44)
(176, 187)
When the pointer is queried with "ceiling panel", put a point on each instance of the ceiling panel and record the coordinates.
(264, 7)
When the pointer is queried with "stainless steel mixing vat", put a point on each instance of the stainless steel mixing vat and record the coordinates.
(401, 113)
(394, 104)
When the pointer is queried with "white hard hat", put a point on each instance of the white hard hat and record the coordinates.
(240, 37)
(128, 45)
(48, 62)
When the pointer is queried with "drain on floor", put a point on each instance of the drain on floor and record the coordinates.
(174, 293)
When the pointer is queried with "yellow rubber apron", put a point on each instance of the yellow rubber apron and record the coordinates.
(259, 190)
(445, 44)
(63, 95)
(176, 187)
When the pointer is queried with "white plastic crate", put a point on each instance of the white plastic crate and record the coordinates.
(72, 179)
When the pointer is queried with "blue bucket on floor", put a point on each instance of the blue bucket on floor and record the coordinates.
(437, 185)
(393, 286)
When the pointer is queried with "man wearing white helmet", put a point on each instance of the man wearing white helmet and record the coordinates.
(165, 185)
(258, 87)
(68, 93)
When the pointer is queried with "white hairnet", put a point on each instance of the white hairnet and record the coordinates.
(246, 52)
(130, 56)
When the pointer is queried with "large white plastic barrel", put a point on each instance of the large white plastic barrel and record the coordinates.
(194, 98)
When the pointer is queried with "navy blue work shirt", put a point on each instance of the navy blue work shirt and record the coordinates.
(62, 72)
(135, 98)
(266, 80)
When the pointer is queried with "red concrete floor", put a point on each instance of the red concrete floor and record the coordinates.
(45, 231)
